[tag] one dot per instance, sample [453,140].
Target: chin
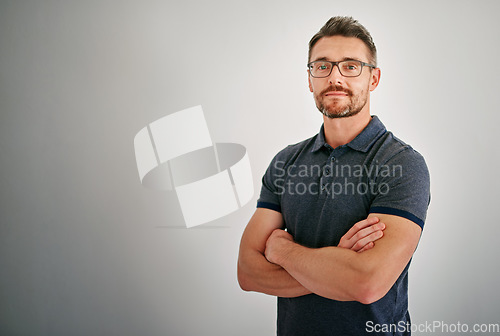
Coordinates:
[336,114]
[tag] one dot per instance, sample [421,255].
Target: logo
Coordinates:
[176,153]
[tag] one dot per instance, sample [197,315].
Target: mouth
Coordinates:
[335,94]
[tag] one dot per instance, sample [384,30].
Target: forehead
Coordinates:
[336,48]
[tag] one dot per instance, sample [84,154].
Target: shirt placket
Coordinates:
[328,174]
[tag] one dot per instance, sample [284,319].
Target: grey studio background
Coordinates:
[85,249]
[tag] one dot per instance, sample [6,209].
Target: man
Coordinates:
[352,199]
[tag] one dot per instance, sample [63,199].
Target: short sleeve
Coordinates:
[273,184]
[404,189]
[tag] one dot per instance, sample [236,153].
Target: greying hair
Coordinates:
[348,27]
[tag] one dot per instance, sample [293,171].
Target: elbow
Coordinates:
[244,285]
[244,281]
[370,290]
[369,296]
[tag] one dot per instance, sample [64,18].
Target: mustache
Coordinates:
[336,88]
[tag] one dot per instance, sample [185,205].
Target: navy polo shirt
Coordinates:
[322,192]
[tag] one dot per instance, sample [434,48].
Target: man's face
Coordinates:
[337,96]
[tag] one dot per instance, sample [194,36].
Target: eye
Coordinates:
[350,66]
[322,66]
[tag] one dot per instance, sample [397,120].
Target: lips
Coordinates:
[336,91]
[336,94]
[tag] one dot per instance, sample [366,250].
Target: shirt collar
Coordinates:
[362,142]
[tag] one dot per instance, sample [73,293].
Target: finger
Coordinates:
[367,247]
[367,231]
[282,234]
[276,233]
[361,225]
[349,243]
[370,238]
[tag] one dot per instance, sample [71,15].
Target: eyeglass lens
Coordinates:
[346,68]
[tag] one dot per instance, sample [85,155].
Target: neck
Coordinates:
[340,131]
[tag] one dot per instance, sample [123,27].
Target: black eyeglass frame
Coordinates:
[363,64]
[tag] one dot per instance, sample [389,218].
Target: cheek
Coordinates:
[316,87]
[361,88]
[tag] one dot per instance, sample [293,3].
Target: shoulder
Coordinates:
[389,149]
[290,153]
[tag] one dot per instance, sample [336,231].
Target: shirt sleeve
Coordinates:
[273,184]
[404,190]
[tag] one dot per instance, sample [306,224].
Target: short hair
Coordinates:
[348,27]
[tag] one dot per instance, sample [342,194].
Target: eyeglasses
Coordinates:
[349,68]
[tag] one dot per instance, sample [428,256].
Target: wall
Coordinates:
[85,249]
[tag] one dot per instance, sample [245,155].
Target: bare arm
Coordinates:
[343,274]
[256,273]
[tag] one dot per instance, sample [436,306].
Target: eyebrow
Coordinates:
[344,59]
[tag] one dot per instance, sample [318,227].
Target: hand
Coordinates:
[275,245]
[362,236]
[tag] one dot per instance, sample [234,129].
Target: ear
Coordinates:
[309,80]
[375,78]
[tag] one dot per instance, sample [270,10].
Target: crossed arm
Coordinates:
[271,262]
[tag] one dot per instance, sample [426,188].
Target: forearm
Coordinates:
[341,274]
[257,274]
[332,272]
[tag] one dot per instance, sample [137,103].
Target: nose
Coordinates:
[335,75]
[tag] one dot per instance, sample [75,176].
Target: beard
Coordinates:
[335,109]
